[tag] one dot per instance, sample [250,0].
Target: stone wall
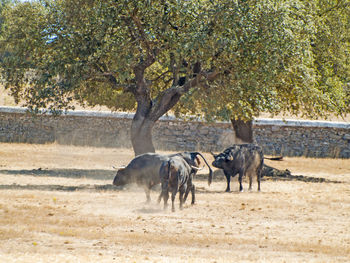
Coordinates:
[304,138]
[105,129]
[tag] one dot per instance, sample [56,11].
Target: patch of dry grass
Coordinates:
[289,221]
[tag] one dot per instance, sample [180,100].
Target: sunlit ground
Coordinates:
[57,205]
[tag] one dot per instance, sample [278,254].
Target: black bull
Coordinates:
[144,169]
[241,159]
[176,175]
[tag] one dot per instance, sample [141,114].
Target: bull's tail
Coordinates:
[168,174]
[210,177]
[169,169]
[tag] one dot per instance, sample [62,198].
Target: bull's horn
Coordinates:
[196,168]
[230,157]
[117,168]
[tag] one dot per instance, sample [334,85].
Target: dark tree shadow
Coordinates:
[108,175]
[64,188]
[98,174]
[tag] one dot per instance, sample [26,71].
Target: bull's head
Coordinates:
[122,177]
[221,159]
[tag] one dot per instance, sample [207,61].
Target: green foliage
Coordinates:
[3,5]
[272,66]
[331,49]
[266,55]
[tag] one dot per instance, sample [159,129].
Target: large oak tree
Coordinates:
[214,58]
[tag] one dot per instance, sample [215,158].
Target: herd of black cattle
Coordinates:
[175,172]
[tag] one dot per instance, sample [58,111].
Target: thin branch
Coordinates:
[160,76]
[151,52]
[108,77]
[141,30]
[173,68]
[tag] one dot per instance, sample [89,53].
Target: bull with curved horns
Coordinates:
[144,169]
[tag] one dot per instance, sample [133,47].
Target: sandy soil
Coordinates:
[57,204]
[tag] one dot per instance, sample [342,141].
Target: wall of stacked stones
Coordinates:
[105,129]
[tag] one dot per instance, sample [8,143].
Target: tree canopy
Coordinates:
[220,59]
[3,5]
[293,57]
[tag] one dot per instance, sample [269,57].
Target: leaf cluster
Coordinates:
[223,59]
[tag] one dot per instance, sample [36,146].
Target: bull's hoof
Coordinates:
[227,190]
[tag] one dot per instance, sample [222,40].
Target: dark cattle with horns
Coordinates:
[144,169]
[176,175]
[243,159]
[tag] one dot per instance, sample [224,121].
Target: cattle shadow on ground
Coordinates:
[219,176]
[302,178]
[64,188]
[98,174]
[203,190]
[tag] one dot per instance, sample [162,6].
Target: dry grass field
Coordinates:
[57,204]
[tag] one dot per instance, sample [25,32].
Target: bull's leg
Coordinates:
[228,179]
[188,189]
[258,177]
[186,193]
[165,195]
[173,195]
[193,190]
[250,181]
[148,196]
[181,197]
[164,186]
[183,190]
[160,197]
[240,181]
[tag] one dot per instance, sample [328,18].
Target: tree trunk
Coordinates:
[141,135]
[243,130]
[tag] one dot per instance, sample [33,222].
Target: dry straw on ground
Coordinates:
[52,209]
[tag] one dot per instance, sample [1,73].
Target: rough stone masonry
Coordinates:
[111,129]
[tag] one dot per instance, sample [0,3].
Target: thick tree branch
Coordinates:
[200,78]
[167,99]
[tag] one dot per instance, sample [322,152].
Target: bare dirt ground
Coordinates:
[57,204]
